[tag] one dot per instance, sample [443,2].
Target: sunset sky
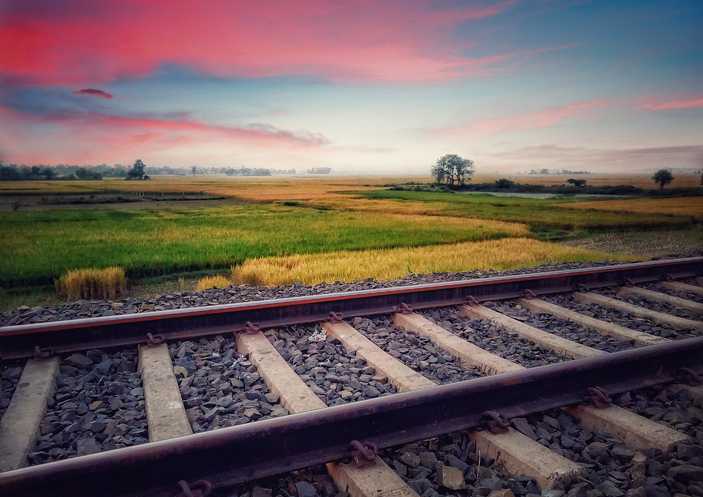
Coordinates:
[379,86]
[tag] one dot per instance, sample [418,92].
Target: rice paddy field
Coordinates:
[308,230]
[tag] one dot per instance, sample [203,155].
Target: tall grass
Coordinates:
[675,206]
[212,282]
[348,266]
[92,283]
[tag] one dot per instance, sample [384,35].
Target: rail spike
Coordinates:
[251,329]
[404,308]
[199,488]
[495,422]
[336,317]
[598,397]
[42,352]
[689,376]
[154,339]
[363,453]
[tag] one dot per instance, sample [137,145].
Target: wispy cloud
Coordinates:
[93,92]
[87,135]
[623,159]
[658,104]
[524,121]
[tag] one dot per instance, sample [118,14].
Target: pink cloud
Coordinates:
[683,103]
[366,40]
[86,136]
[93,92]
[526,121]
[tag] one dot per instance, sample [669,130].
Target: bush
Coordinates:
[92,283]
[212,282]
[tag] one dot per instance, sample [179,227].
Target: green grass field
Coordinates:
[39,245]
[540,214]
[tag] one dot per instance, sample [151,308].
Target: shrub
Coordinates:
[212,282]
[92,283]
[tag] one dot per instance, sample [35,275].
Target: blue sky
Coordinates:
[364,87]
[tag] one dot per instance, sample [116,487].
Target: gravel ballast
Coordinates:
[493,338]
[98,405]
[219,386]
[237,293]
[650,304]
[416,352]
[336,376]
[658,287]
[614,316]
[565,329]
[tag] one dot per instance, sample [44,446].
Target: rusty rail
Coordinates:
[111,331]
[241,453]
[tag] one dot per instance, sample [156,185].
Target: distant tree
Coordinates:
[138,171]
[195,170]
[504,183]
[663,177]
[578,183]
[452,170]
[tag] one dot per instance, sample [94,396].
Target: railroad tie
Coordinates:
[679,286]
[665,298]
[374,480]
[467,353]
[635,430]
[165,413]
[547,340]
[19,426]
[539,306]
[519,454]
[635,310]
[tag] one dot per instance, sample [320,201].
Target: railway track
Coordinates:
[503,384]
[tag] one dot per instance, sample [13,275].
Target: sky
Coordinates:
[367,86]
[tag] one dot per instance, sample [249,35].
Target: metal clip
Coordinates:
[471,300]
[199,488]
[404,308]
[152,339]
[335,317]
[42,352]
[629,282]
[529,294]
[669,277]
[250,328]
[598,397]
[582,287]
[689,376]
[494,422]
[363,453]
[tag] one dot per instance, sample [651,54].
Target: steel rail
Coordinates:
[242,453]
[20,341]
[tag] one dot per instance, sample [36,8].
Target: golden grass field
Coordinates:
[675,206]
[279,230]
[389,264]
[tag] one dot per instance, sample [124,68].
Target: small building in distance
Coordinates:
[320,170]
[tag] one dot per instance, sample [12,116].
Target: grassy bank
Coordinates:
[538,213]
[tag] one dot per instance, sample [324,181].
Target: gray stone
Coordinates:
[79,360]
[410,459]
[305,489]
[451,478]
[609,489]
[686,473]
